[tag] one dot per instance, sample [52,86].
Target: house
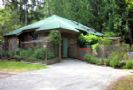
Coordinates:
[36,35]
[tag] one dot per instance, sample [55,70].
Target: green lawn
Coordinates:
[16,67]
[124,83]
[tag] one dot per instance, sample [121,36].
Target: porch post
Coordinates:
[46,52]
[60,52]
[60,49]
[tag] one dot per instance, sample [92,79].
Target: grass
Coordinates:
[124,83]
[16,67]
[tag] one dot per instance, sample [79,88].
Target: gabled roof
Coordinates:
[55,22]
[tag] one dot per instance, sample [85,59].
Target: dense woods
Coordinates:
[112,17]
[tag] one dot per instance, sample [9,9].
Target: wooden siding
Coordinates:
[25,40]
[13,43]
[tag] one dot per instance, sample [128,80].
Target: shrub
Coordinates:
[129,64]
[104,41]
[93,60]
[95,47]
[106,62]
[39,53]
[26,53]
[99,62]
[115,61]
[11,54]
[50,54]
[34,54]
[90,59]
[109,34]
[4,53]
[55,37]
[87,40]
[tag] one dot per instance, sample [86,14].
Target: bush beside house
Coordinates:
[114,62]
[116,58]
[32,55]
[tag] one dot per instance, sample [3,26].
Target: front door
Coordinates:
[65,47]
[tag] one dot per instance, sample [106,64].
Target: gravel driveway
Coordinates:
[67,75]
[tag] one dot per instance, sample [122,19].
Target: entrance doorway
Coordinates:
[65,47]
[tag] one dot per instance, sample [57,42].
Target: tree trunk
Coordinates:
[130,37]
[26,13]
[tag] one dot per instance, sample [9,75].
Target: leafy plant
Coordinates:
[39,53]
[88,39]
[109,34]
[106,61]
[95,47]
[129,64]
[115,62]
[4,53]
[90,59]
[50,54]
[34,54]
[100,61]
[104,41]
[93,60]
[26,53]
[55,37]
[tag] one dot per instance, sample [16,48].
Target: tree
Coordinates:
[8,21]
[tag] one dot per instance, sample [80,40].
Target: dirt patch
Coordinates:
[5,75]
[123,83]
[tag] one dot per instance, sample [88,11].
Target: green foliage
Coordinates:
[115,60]
[115,63]
[129,3]
[26,53]
[95,47]
[55,37]
[106,61]
[14,66]
[93,40]
[8,21]
[109,34]
[104,41]
[88,39]
[39,53]
[90,59]
[8,54]
[93,60]
[51,55]
[3,53]
[100,61]
[129,64]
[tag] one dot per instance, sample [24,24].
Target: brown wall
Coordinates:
[13,43]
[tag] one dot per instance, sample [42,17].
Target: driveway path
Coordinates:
[67,75]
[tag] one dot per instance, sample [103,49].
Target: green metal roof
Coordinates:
[55,22]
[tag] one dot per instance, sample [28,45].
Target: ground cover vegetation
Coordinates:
[17,67]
